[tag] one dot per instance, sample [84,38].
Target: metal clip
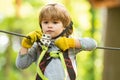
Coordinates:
[46,39]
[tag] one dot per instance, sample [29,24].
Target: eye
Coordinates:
[55,22]
[45,22]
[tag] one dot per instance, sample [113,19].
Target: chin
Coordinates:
[51,35]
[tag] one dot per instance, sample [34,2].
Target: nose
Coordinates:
[50,25]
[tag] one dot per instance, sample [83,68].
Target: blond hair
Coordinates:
[55,11]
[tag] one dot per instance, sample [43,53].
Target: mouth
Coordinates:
[49,31]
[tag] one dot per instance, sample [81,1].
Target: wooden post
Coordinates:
[111,69]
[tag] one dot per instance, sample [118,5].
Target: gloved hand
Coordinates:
[65,43]
[34,36]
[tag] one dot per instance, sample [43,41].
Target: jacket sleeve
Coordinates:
[88,44]
[24,61]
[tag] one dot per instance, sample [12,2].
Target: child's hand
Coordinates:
[65,43]
[34,36]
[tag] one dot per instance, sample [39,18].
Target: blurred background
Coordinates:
[98,19]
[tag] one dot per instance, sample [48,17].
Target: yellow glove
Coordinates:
[65,43]
[34,36]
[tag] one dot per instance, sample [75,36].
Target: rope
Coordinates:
[21,35]
[16,34]
[108,48]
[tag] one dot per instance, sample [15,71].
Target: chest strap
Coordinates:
[58,54]
[65,60]
[39,72]
[69,65]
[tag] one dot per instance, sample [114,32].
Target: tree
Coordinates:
[111,58]
[111,64]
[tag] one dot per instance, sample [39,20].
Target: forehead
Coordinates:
[50,19]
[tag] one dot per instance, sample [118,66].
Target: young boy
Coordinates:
[52,48]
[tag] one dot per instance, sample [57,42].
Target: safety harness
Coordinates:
[45,58]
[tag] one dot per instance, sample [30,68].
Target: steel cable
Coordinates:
[21,35]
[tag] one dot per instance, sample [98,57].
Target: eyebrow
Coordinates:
[55,19]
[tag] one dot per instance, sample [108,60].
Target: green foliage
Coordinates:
[34,3]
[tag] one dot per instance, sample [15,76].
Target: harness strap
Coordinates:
[65,60]
[58,54]
[39,60]
[54,54]
[70,68]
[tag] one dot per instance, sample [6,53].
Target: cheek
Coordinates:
[43,29]
[60,30]
[60,27]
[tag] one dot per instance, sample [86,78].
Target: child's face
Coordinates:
[52,27]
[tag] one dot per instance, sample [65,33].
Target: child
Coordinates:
[52,48]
